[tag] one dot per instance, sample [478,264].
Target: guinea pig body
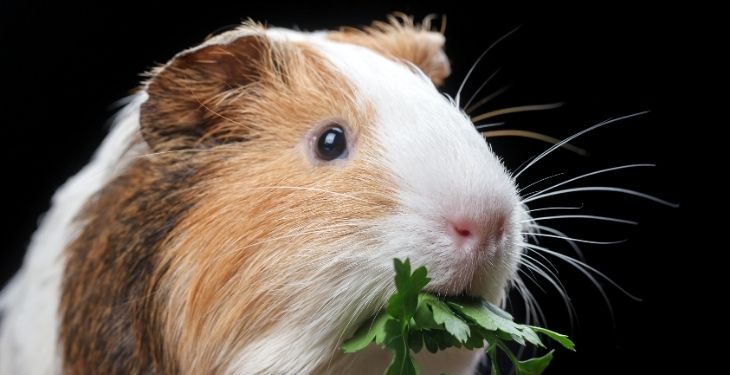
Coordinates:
[243,214]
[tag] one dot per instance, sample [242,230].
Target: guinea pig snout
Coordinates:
[477,232]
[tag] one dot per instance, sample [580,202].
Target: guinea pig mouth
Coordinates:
[450,294]
[452,289]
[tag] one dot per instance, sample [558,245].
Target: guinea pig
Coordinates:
[243,214]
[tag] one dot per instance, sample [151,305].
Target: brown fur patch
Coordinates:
[195,250]
[108,324]
[400,38]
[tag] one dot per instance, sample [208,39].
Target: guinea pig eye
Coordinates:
[331,143]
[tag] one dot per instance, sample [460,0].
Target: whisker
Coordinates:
[488,125]
[592,217]
[570,242]
[584,268]
[530,275]
[326,230]
[478,60]
[520,190]
[487,99]
[531,305]
[474,95]
[574,136]
[592,174]
[183,151]
[310,189]
[532,135]
[533,312]
[551,269]
[602,188]
[578,239]
[554,208]
[555,283]
[516,109]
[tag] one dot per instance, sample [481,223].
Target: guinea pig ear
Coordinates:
[400,38]
[188,95]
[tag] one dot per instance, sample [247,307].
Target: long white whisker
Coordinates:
[474,95]
[571,243]
[530,274]
[487,99]
[591,174]
[478,60]
[584,268]
[554,208]
[532,308]
[520,190]
[555,282]
[592,217]
[317,190]
[602,188]
[488,125]
[540,316]
[517,109]
[572,137]
[533,312]
[552,269]
[578,239]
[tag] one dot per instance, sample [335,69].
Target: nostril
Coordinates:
[467,232]
[462,231]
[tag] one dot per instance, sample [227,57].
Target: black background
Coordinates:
[65,66]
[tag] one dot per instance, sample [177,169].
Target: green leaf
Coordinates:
[530,336]
[492,354]
[496,310]
[431,342]
[367,333]
[479,312]
[423,318]
[404,302]
[559,337]
[476,339]
[442,314]
[413,320]
[415,341]
[402,363]
[445,340]
[533,366]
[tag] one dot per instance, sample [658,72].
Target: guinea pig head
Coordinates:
[314,159]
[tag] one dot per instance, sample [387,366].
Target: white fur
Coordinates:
[29,303]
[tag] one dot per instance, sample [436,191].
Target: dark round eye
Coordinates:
[332,143]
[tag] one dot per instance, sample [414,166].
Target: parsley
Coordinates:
[413,320]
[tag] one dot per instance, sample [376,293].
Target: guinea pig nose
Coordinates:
[463,231]
[475,233]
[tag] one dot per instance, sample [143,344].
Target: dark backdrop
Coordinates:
[64,66]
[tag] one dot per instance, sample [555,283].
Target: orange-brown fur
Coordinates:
[402,39]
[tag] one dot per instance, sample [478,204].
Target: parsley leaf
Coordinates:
[413,320]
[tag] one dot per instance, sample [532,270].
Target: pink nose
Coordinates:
[470,233]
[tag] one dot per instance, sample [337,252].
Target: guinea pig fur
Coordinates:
[243,214]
